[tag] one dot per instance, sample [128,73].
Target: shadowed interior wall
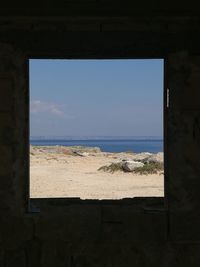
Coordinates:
[139,232]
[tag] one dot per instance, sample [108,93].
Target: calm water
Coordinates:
[152,146]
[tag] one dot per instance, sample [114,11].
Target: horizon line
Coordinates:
[43,137]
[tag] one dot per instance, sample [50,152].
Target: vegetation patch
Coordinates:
[150,168]
[113,167]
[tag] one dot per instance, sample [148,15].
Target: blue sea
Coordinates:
[116,145]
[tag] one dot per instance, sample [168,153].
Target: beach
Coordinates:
[74,172]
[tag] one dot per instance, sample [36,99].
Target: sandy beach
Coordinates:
[57,172]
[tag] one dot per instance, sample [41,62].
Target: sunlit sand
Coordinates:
[59,174]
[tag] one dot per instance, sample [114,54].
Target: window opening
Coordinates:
[96,129]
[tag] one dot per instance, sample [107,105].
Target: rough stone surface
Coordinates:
[156,158]
[141,157]
[131,165]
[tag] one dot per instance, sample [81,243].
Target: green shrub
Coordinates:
[150,168]
[113,167]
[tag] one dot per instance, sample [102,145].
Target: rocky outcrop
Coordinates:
[155,158]
[131,165]
[142,157]
[81,154]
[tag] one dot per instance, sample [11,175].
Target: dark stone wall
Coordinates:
[141,232]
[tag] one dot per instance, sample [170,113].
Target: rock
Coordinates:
[142,157]
[159,157]
[82,154]
[131,165]
[87,149]
[125,158]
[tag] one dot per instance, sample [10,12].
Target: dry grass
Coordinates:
[150,168]
[113,167]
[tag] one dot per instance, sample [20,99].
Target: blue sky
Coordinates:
[96,98]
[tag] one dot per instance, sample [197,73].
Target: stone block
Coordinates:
[6,169]
[15,258]
[6,95]
[183,163]
[71,224]
[136,26]
[16,231]
[181,255]
[105,254]
[1,254]
[33,250]
[55,253]
[128,224]
[6,129]
[183,81]
[184,226]
[146,227]
[84,26]
[52,227]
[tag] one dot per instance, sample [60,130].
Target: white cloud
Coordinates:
[37,107]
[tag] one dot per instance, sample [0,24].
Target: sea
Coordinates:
[136,145]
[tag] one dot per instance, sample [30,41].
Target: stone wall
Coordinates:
[141,232]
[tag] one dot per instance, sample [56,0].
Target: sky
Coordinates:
[96,98]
